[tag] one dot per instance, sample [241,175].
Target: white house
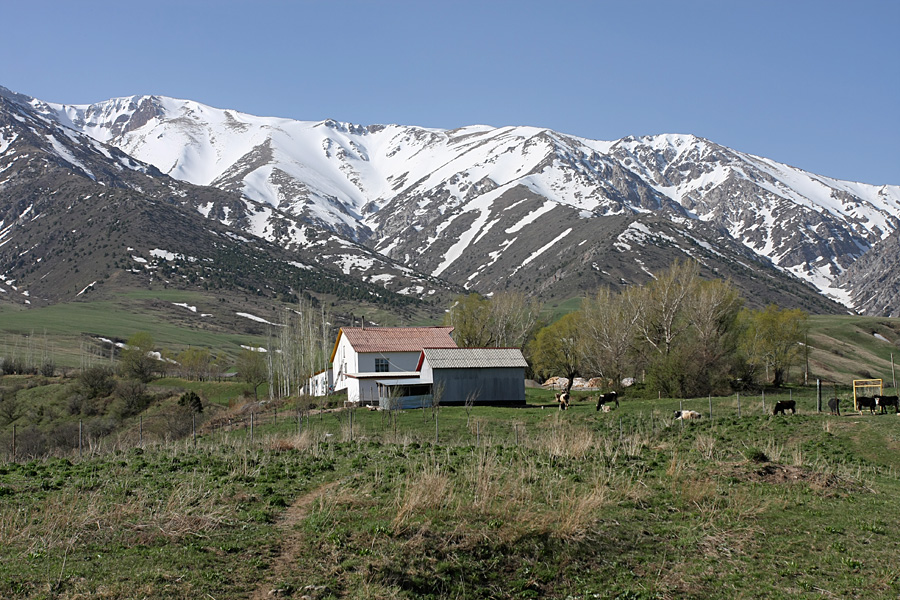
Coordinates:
[321,383]
[362,356]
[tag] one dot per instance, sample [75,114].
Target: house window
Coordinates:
[382,365]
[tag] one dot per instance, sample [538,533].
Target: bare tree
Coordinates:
[609,326]
[506,320]
[513,319]
[470,404]
[300,348]
[394,406]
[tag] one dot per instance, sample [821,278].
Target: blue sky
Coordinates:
[815,84]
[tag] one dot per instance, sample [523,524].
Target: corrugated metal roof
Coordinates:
[396,339]
[474,358]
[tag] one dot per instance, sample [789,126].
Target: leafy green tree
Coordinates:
[772,339]
[469,317]
[136,361]
[555,349]
[252,369]
[506,320]
[195,363]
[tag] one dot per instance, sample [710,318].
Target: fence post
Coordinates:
[680,410]
[710,407]
[764,400]
[251,427]
[80,436]
[739,404]
[14,443]
[818,395]
[141,430]
[194,428]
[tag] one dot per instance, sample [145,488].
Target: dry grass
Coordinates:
[705,444]
[427,490]
[565,441]
[578,510]
[64,518]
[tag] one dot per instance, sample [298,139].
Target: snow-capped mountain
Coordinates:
[491,208]
[76,213]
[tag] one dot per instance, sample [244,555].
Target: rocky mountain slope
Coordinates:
[78,216]
[523,208]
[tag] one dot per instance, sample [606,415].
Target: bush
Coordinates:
[191,400]
[16,366]
[97,382]
[132,396]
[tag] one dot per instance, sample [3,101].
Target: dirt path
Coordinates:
[291,541]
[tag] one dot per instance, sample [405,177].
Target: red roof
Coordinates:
[395,339]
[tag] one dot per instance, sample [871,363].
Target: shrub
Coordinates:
[97,382]
[132,396]
[191,400]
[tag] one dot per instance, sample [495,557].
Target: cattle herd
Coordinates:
[781,406]
[603,400]
[879,402]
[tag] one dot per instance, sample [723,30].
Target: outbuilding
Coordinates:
[484,376]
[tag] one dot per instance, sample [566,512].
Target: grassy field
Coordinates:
[64,333]
[488,503]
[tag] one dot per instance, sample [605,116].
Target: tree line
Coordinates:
[679,334]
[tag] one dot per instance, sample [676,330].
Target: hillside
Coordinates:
[82,221]
[509,503]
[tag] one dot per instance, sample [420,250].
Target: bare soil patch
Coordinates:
[291,541]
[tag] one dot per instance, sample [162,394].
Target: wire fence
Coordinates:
[423,425]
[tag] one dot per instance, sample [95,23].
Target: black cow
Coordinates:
[885,401]
[783,405]
[607,398]
[834,404]
[865,402]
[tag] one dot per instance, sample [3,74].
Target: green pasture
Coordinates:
[58,332]
[528,502]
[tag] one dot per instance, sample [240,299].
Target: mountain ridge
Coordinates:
[432,198]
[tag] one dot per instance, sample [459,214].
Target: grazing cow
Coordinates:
[603,399]
[685,415]
[834,404]
[784,405]
[885,401]
[563,399]
[865,402]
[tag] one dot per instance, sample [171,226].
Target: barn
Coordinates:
[487,376]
